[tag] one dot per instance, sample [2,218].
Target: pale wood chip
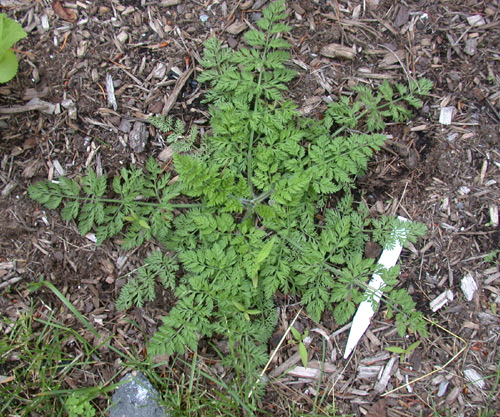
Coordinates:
[441,300]
[335,50]
[168,3]
[369,372]
[301,372]
[389,370]
[392,58]
[166,154]
[236,27]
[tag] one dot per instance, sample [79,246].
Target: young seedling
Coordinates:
[400,351]
[302,347]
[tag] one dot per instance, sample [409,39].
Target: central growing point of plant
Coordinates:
[272,208]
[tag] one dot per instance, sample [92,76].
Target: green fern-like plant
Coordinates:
[180,140]
[252,227]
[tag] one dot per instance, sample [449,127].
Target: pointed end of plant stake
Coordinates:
[365,312]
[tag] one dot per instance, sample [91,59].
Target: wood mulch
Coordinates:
[91,72]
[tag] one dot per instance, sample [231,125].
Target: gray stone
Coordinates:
[136,397]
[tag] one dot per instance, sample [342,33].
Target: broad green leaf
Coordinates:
[395,349]
[10,33]
[8,66]
[239,306]
[296,333]
[303,354]
[143,224]
[255,281]
[265,251]
[413,346]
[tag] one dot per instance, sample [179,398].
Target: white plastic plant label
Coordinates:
[365,312]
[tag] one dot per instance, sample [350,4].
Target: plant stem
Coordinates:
[138,202]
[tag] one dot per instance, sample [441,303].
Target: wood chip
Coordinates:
[168,3]
[326,367]
[446,115]
[378,409]
[138,137]
[166,154]
[443,386]
[368,372]
[469,286]
[389,370]
[33,104]
[441,300]
[475,377]
[176,91]
[392,58]
[285,366]
[110,92]
[471,46]
[236,27]
[335,50]
[476,20]
[301,372]
[494,215]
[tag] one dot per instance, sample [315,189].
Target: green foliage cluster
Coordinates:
[10,33]
[263,218]
[77,405]
[176,132]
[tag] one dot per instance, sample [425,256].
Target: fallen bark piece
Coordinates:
[471,46]
[179,85]
[64,12]
[378,409]
[335,50]
[285,366]
[391,58]
[166,154]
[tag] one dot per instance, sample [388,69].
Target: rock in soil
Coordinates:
[136,397]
